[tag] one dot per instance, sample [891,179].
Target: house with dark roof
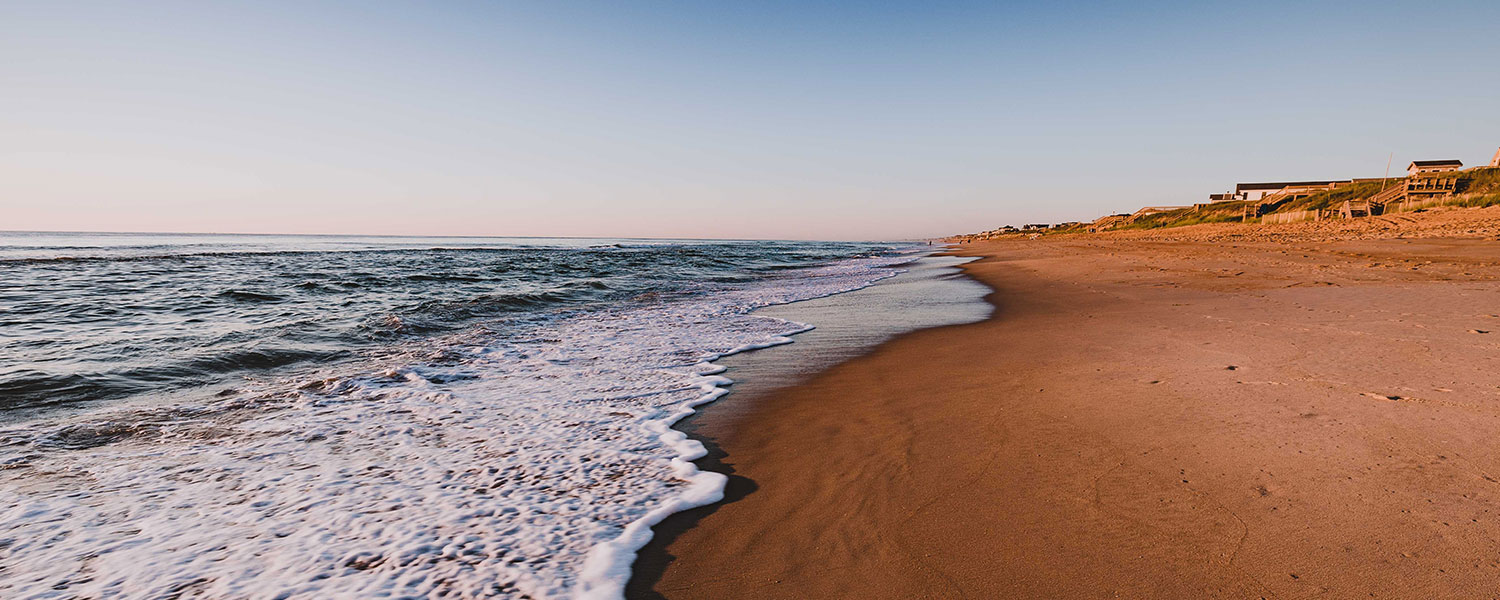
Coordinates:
[1420,167]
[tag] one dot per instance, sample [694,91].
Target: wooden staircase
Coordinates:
[1395,193]
[1266,205]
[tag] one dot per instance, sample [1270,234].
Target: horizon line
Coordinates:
[452,236]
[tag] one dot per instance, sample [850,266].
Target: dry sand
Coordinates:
[1199,414]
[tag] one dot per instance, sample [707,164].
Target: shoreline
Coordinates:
[834,334]
[1141,417]
[609,566]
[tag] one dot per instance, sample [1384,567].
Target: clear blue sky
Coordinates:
[711,119]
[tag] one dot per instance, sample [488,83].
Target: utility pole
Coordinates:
[1385,181]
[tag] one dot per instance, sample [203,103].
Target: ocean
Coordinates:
[227,416]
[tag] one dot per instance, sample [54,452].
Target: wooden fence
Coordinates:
[1295,216]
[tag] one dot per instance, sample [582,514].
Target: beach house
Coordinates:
[1495,162]
[1429,178]
[1422,167]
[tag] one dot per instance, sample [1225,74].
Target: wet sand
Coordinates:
[1140,418]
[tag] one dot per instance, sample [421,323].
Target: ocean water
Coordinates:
[340,417]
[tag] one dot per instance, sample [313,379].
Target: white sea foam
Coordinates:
[519,466]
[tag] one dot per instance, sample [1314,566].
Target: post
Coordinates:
[1385,181]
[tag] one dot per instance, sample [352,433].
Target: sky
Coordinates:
[709,119]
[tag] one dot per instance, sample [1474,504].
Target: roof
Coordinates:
[1437,163]
[1277,185]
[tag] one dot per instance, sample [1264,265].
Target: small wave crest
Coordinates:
[246,296]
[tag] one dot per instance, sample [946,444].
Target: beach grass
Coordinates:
[1224,212]
[1480,188]
[1336,197]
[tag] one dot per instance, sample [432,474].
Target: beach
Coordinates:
[1210,412]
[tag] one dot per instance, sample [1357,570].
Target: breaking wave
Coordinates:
[498,429]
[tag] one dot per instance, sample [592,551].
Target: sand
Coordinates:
[1205,415]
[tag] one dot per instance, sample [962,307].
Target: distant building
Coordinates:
[1495,162]
[1420,167]
[1258,191]
[1036,226]
[1224,197]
